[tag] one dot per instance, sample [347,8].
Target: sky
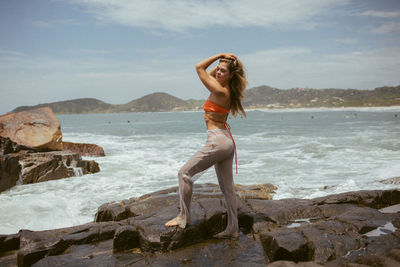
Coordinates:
[120,50]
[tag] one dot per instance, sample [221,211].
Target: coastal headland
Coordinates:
[256,97]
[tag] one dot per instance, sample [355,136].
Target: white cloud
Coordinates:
[82,51]
[347,41]
[28,80]
[53,23]
[302,67]
[10,52]
[380,14]
[181,15]
[387,28]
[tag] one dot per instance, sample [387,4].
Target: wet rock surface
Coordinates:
[9,172]
[28,168]
[82,149]
[348,229]
[45,166]
[22,165]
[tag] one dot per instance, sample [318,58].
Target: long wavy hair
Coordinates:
[237,85]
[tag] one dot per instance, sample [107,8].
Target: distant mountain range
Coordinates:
[257,97]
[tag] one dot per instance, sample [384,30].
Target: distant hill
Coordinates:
[75,106]
[257,97]
[265,96]
[153,102]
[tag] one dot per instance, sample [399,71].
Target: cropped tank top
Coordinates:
[213,107]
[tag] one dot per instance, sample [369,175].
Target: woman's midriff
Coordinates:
[215,120]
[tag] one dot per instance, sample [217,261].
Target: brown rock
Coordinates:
[89,166]
[293,264]
[84,149]
[9,171]
[286,244]
[45,166]
[395,180]
[38,129]
[259,191]
[7,146]
[126,237]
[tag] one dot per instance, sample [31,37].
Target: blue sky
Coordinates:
[116,51]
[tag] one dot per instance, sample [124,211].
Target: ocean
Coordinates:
[306,153]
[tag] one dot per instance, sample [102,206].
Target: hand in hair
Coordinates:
[229,56]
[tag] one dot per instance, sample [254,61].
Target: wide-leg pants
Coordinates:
[218,151]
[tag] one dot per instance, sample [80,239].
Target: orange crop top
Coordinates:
[212,107]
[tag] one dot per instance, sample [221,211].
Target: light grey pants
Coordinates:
[218,151]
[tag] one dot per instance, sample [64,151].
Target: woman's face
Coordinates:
[222,75]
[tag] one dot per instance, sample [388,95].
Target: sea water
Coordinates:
[306,153]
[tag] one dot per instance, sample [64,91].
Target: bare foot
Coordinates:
[177,221]
[227,235]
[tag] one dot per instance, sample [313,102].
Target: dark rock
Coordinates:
[331,239]
[84,149]
[9,171]
[364,219]
[293,264]
[45,166]
[334,231]
[126,237]
[284,211]
[33,246]
[28,168]
[286,244]
[9,242]
[7,146]
[375,199]
[245,252]
[38,129]
[89,166]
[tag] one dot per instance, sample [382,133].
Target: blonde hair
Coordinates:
[237,85]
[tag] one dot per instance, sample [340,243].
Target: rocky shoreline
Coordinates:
[349,229]
[32,150]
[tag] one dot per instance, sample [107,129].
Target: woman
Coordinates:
[226,84]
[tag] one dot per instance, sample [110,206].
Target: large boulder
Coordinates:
[83,149]
[37,128]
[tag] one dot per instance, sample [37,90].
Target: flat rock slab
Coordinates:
[244,252]
[334,231]
[391,209]
[91,150]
